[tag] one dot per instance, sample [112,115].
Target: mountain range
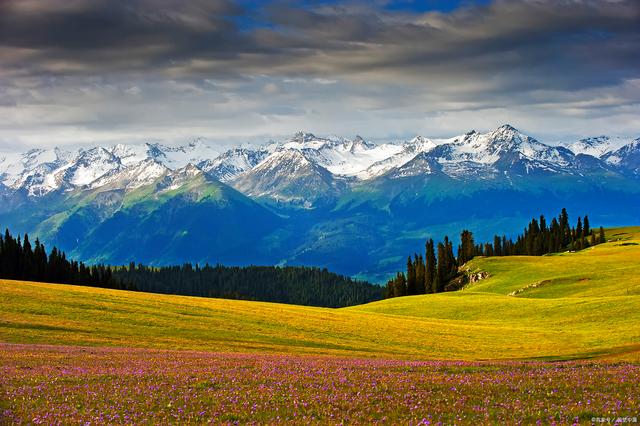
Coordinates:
[347,204]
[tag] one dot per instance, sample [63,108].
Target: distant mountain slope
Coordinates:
[626,158]
[597,146]
[288,176]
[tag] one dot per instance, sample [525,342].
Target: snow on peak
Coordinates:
[291,160]
[302,137]
[126,166]
[421,144]
[90,165]
[178,178]
[233,163]
[628,155]
[302,140]
[597,146]
[135,175]
[175,157]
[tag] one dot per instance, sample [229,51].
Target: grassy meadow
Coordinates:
[542,340]
[565,306]
[74,385]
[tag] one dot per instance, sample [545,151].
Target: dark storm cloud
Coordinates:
[119,34]
[555,43]
[100,64]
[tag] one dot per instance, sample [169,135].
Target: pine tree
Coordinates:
[467,247]
[586,227]
[497,246]
[400,285]
[579,234]
[430,268]
[441,274]
[451,263]
[565,230]
[602,236]
[411,277]
[420,274]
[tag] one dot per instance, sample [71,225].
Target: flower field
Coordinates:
[72,385]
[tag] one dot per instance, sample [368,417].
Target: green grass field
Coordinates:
[565,306]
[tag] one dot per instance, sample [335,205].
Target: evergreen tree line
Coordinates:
[291,284]
[438,270]
[19,260]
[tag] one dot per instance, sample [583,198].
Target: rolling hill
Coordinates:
[566,306]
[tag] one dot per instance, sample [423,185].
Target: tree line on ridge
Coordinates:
[438,270]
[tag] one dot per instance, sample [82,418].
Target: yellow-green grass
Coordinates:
[611,269]
[590,307]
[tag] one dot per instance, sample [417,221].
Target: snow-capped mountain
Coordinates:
[504,149]
[626,158]
[308,164]
[420,165]
[289,176]
[401,154]
[40,172]
[330,201]
[233,163]
[340,156]
[34,170]
[597,146]
[132,176]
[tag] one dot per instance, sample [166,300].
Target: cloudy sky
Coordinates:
[87,71]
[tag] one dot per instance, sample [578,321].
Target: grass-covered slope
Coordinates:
[611,269]
[586,310]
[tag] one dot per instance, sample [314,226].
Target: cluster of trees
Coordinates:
[425,275]
[292,284]
[20,260]
[434,274]
[537,239]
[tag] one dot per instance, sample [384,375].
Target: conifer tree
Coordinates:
[430,268]
[441,275]
[497,246]
[400,285]
[411,277]
[565,230]
[586,226]
[579,234]
[420,274]
[467,247]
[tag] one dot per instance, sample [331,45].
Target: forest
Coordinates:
[297,285]
[20,260]
[438,270]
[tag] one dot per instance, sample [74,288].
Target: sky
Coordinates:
[96,71]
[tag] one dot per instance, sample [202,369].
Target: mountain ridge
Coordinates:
[346,204]
[40,171]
